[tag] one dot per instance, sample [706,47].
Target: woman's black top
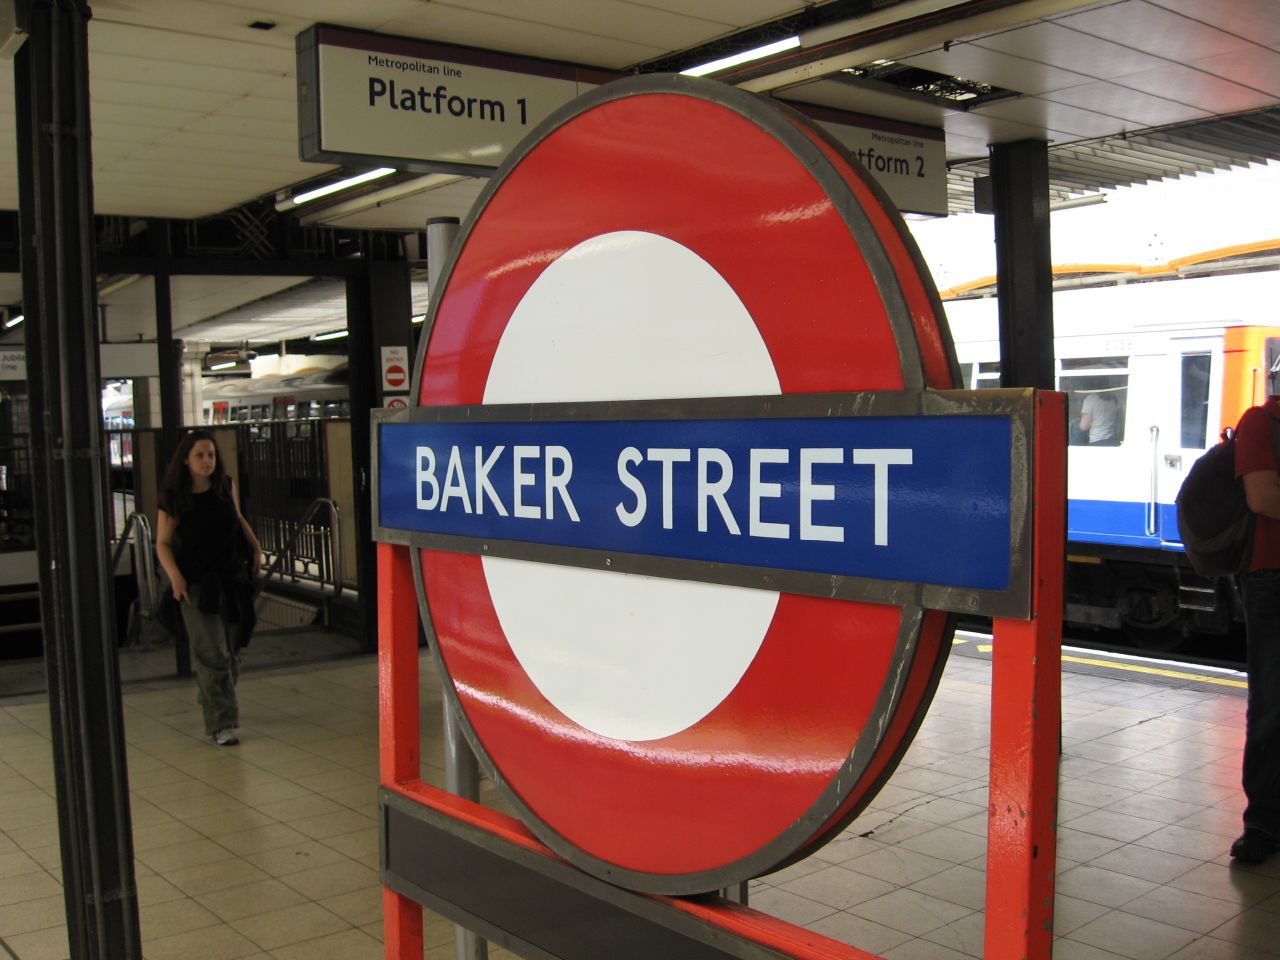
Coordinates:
[210,540]
[213,554]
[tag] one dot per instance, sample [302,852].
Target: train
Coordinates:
[1171,362]
[306,394]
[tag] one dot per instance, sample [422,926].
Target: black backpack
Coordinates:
[1214,519]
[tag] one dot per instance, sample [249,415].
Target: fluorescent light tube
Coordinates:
[224,365]
[342,185]
[14,321]
[745,57]
[331,335]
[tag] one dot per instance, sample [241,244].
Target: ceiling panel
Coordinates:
[1257,68]
[118,66]
[973,62]
[614,19]
[1037,113]
[456,25]
[162,96]
[140,116]
[131,308]
[1071,50]
[990,129]
[453,200]
[1255,19]
[848,96]
[1140,109]
[369,16]
[1197,88]
[739,13]
[213,21]
[272,134]
[1144,26]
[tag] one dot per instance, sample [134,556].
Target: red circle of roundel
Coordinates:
[831,699]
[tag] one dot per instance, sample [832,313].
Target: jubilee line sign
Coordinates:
[691,492]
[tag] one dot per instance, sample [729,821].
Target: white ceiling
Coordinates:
[194,112]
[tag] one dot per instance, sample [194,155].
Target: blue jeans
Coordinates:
[1261,775]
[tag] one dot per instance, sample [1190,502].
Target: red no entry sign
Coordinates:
[396,376]
[664,239]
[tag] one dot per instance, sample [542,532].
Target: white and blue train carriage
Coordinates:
[1169,362]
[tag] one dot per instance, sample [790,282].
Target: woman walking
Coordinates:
[210,554]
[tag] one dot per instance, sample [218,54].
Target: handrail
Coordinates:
[144,565]
[335,545]
[1153,499]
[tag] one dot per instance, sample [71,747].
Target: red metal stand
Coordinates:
[1026,715]
[399,750]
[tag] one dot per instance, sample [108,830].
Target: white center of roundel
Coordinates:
[628,316]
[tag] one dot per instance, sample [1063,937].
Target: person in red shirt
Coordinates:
[1258,467]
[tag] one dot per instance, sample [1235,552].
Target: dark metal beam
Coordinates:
[379,308]
[169,360]
[232,267]
[56,228]
[1024,266]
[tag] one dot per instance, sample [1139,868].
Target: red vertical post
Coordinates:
[398,706]
[1026,717]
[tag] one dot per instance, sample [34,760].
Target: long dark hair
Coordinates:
[175,488]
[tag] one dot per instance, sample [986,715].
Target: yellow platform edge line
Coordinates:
[1175,674]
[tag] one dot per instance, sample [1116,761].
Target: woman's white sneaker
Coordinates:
[226,737]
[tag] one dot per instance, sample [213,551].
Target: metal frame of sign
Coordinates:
[499,880]
[1014,404]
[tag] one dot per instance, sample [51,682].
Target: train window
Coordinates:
[1097,391]
[1195,400]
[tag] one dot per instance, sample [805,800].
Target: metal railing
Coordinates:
[17,499]
[278,561]
[144,566]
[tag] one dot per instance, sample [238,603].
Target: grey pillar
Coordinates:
[56,230]
[461,772]
[1024,268]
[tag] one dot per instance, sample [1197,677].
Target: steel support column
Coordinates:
[169,360]
[56,230]
[1024,268]
[379,312]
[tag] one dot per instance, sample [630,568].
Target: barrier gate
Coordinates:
[687,504]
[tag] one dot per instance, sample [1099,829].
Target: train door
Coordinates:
[1185,425]
[1107,382]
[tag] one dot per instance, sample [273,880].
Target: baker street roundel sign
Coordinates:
[621,403]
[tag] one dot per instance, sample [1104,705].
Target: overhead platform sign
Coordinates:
[372,99]
[416,105]
[690,490]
